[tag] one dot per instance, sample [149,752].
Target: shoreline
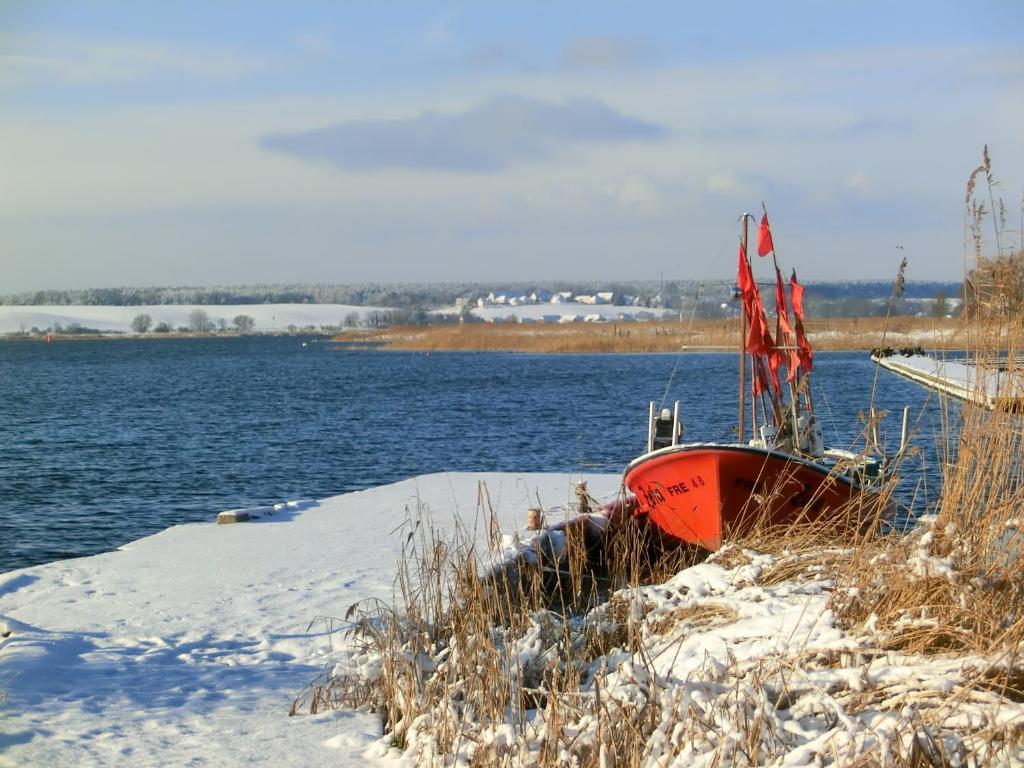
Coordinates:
[122,336]
[647,337]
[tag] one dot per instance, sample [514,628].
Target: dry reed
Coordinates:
[839,334]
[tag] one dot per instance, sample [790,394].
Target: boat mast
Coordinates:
[740,432]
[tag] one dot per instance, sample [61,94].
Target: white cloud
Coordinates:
[636,192]
[722,181]
[74,60]
[858,183]
[315,44]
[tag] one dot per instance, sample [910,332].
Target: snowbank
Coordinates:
[188,647]
[268,317]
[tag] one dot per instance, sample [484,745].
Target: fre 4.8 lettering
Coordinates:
[682,487]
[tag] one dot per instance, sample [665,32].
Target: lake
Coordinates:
[107,441]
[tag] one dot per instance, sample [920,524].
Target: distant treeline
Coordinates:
[672,293]
[397,295]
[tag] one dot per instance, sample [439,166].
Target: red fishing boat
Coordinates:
[700,493]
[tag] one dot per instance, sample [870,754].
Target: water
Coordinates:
[107,441]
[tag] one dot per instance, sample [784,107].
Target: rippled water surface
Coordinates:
[106,441]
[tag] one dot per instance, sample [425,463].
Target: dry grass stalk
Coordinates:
[511,671]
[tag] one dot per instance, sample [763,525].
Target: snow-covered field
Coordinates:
[278,317]
[268,317]
[187,647]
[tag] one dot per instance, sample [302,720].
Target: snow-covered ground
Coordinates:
[187,647]
[267,317]
[555,313]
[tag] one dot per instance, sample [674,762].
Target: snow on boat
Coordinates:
[700,493]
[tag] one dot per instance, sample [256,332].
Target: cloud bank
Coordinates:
[499,133]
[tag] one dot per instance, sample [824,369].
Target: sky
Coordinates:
[194,143]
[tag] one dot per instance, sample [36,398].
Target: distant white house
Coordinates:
[602,297]
[562,297]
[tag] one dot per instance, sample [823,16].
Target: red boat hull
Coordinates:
[698,493]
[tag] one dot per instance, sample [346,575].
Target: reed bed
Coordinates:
[803,648]
[839,334]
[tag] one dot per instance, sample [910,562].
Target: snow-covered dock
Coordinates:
[988,383]
[187,647]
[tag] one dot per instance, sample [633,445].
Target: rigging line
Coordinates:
[693,313]
[679,354]
[828,407]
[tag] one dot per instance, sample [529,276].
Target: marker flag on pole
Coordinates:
[796,298]
[764,237]
[784,331]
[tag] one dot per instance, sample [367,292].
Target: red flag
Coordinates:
[783,330]
[748,290]
[764,237]
[759,338]
[744,278]
[760,380]
[796,296]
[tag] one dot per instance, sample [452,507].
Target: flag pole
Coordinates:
[740,431]
[793,398]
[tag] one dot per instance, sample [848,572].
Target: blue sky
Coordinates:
[230,142]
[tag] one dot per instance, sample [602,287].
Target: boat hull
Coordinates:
[700,493]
